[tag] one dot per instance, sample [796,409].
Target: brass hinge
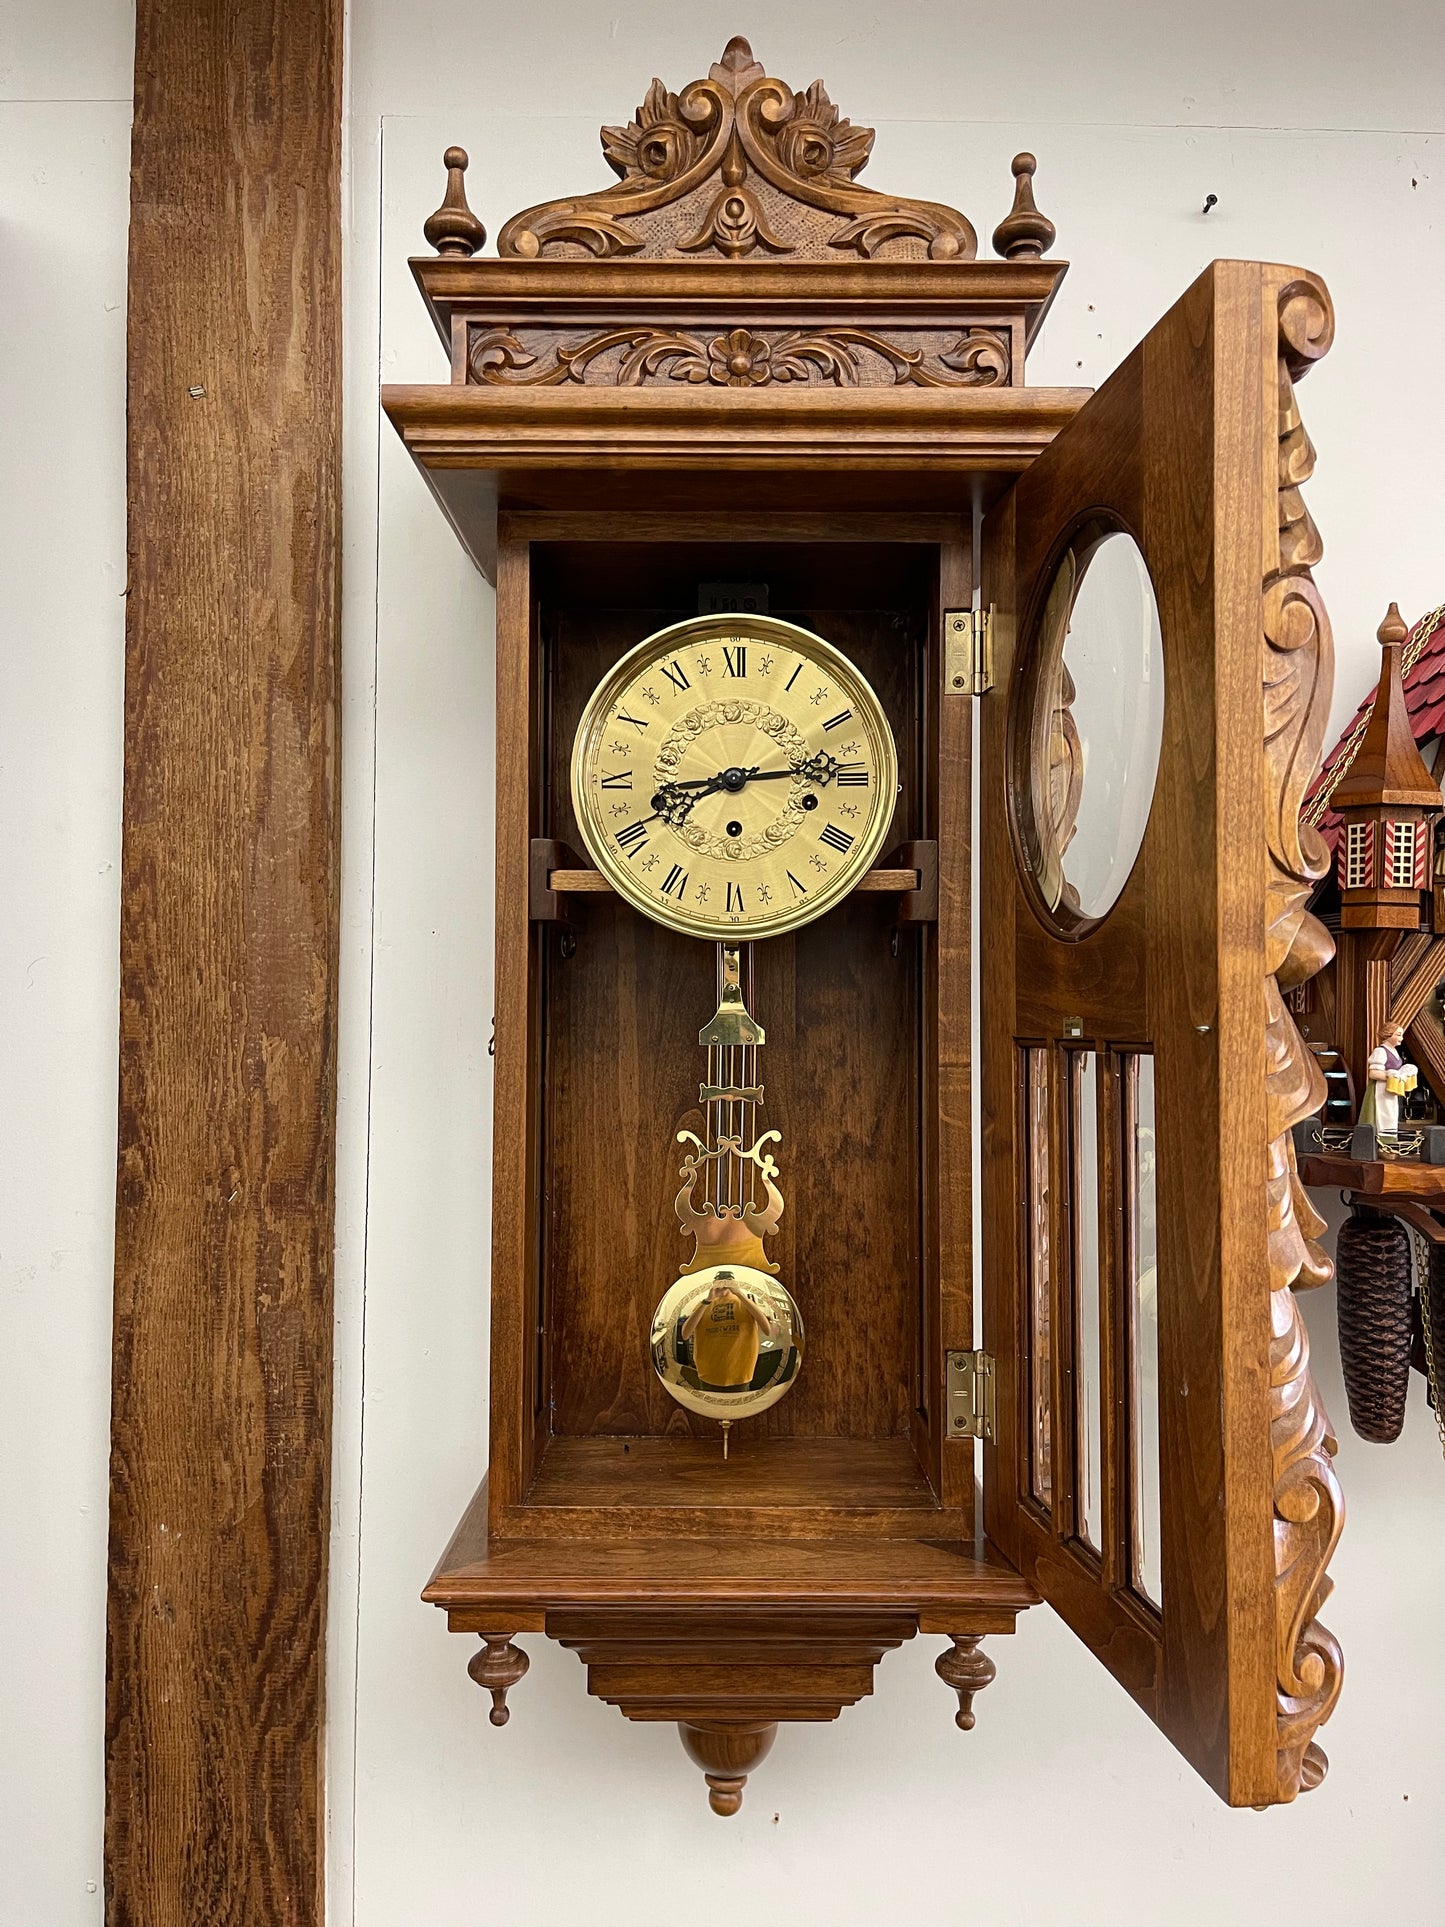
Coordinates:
[971,1406]
[967,652]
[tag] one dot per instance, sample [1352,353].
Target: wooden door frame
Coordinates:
[222,1372]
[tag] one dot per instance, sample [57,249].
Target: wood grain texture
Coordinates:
[489,1585]
[770,1487]
[518,1071]
[1186,448]
[711,431]
[948,1231]
[1379,1179]
[221,1395]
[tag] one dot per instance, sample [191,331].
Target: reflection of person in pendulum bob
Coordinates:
[727,1330]
[1389,1078]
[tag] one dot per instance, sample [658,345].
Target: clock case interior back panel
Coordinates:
[843,1001]
[740,366]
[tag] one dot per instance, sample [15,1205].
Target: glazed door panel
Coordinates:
[1162,1467]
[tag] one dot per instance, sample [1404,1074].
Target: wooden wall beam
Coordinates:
[220,1431]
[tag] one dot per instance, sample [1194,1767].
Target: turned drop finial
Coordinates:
[1024,233]
[496,1669]
[454,229]
[727,1751]
[967,1670]
[1394,629]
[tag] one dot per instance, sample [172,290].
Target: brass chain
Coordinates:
[1431,1370]
[1422,1274]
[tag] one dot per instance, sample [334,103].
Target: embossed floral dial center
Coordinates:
[734,777]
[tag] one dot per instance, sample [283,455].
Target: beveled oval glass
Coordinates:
[1089,728]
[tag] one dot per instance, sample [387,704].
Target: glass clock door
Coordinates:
[1162,1465]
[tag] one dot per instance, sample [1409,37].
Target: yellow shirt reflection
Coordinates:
[726,1341]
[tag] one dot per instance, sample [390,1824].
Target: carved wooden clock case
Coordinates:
[735,375]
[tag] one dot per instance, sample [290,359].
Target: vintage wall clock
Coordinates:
[739,407]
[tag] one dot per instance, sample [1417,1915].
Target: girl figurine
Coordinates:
[1388,1077]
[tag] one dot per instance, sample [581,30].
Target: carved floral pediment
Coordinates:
[737,164]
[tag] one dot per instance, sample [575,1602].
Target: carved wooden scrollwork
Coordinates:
[739,358]
[735,164]
[1298,669]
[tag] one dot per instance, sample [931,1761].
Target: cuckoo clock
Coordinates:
[1379,1141]
[1388,804]
[782,542]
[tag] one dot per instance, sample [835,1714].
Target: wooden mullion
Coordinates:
[1113,1305]
[1128,1315]
[1063,1289]
[222,1368]
[517,1070]
[949,1123]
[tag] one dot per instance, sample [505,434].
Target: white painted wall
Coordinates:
[65,85]
[1064,1808]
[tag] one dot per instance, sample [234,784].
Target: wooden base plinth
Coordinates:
[726,1637]
[727,1751]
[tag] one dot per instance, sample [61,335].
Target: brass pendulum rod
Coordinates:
[731,1041]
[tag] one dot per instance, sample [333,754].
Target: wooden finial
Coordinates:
[727,1751]
[737,68]
[496,1669]
[1024,233]
[454,229]
[1388,768]
[1394,629]
[967,1670]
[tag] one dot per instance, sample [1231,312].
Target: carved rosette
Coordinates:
[739,357]
[1298,673]
[736,164]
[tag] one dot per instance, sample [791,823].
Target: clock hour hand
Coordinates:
[673,801]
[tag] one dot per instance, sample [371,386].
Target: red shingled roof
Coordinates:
[1422,663]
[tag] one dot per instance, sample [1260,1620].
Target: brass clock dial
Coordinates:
[734,776]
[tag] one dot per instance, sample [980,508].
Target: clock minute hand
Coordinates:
[673,800]
[819,769]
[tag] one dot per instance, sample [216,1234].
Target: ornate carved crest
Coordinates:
[734,165]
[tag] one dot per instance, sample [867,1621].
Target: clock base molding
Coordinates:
[729,1637]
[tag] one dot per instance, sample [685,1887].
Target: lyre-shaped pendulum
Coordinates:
[727,1337]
